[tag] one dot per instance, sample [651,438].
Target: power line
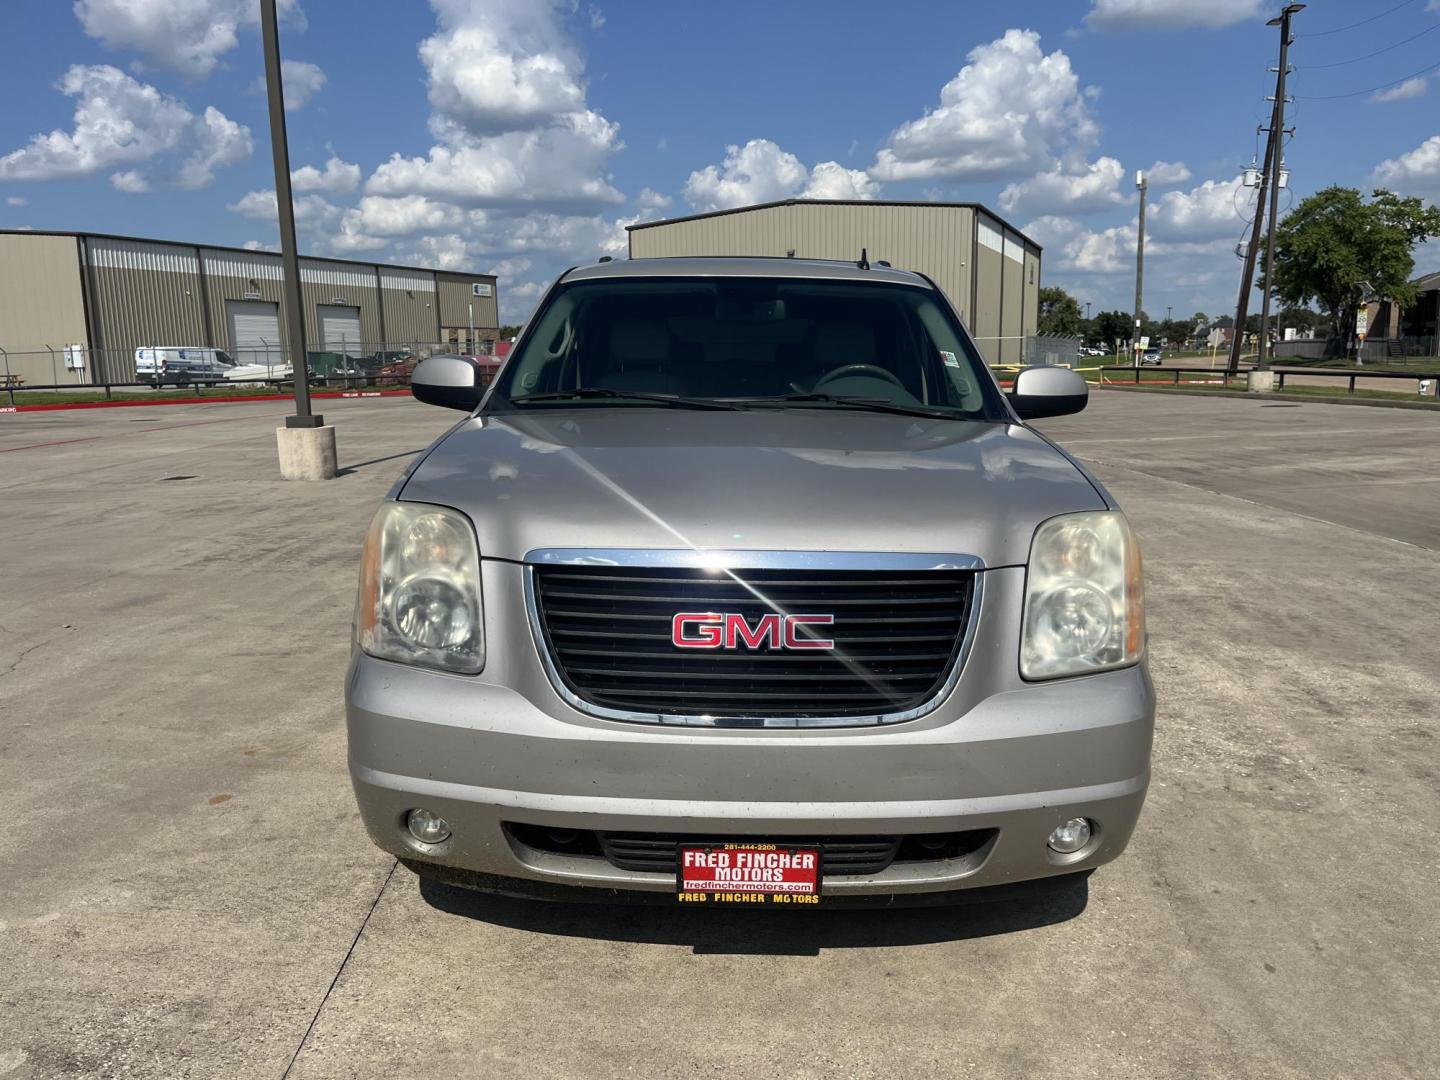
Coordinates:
[1362,22]
[1367,56]
[1373,89]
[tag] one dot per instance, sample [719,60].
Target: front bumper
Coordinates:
[998,754]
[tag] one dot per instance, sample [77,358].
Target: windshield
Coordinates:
[757,341]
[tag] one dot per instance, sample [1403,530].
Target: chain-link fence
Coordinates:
[67,366]
[1042,349]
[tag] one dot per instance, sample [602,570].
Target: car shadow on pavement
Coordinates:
[346,470]
[767,931]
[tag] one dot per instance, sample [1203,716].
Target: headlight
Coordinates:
[1084,605]
[420,589]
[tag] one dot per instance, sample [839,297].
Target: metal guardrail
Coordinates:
[1350,374]
[1215,373]
[1416,376]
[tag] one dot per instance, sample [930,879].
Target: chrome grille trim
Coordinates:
[750,560]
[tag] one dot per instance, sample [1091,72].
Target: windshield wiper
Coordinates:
[582,393]
[867,404]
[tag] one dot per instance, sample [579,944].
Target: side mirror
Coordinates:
[452,382]
[1048,391]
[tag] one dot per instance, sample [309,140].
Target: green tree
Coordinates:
[1060,314]
[1337,250]
[1112,326]
[508,331]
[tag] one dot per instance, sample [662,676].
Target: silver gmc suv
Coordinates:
[745,583]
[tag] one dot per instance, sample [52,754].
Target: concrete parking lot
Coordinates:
[186,891]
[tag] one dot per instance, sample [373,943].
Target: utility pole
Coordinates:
[1272,174]
[1272,153]
[1139,269]
[307,446]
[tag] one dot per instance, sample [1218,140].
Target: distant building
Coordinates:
[988,269]
[74,307]
[1415,330]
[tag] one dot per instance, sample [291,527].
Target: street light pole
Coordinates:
[280,149]
[1139,269]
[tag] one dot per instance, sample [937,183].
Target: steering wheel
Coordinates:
[859,369]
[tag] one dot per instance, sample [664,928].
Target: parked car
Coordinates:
[181,366]
[1151,358]
[745,583]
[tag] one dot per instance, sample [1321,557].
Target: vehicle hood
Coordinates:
[793,479]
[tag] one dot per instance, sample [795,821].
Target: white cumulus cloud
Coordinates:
[1010,111]
[16,200]
[188,36]
[130,181]
[1101,185]
[337,178]
[760,171]
[560,165]
[1416,172]
[649,200]
[1410,88]
[1166,173]
[831,180]
[302,81]
[1216,209]
[500,65]
[120,121]
[1172,14]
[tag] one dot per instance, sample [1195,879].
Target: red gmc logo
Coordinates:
[714,630]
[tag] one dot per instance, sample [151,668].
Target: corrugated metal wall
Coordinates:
[933,240]
[40,304]
[989,271]
[1012,291]
[232,275]
[144,294]
[327,283]
[1030,314]
[410,306]
[456,292]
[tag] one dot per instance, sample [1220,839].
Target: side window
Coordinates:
[953,356]
[548,347]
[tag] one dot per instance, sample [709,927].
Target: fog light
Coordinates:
[431,828]
[1068,838]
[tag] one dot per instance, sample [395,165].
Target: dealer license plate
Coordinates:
[749,873]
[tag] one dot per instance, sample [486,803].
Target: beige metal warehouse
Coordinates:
[990,270]
[74,307]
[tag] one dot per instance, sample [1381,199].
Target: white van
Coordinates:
[161,364]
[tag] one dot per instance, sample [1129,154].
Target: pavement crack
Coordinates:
[23,654]
[340,970]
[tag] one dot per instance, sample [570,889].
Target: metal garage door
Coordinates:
[339,329]
[255,332]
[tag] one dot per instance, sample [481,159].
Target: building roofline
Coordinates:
[979,207]
[80,234]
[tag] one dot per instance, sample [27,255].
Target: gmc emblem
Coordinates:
[714,630]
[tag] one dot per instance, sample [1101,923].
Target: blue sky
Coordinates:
[520,136]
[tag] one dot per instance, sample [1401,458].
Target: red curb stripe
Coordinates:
[199,400]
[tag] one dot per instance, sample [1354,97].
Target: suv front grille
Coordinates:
[897,633]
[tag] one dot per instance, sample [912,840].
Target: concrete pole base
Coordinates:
[307,453]
[1260,382]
